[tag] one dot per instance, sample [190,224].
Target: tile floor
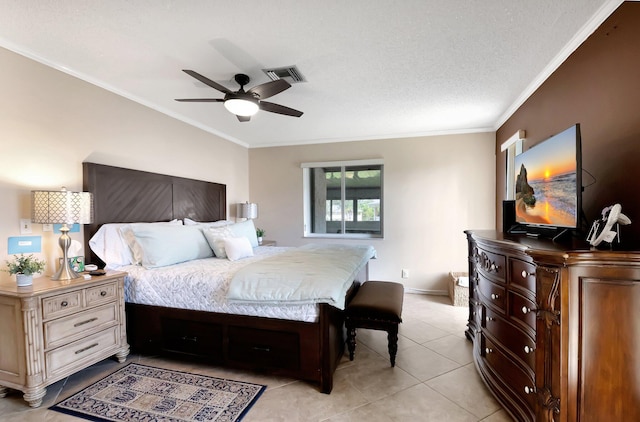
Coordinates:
[434,378]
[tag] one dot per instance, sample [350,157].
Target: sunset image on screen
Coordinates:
[546,186]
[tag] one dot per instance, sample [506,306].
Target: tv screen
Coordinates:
[548,186]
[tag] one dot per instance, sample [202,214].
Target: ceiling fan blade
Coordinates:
[270,89]
[243,118]
[280,109]
[207,81]
[200,100]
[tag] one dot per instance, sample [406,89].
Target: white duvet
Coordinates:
[308,274]
[203,285]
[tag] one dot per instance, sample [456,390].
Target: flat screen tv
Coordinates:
[548,186]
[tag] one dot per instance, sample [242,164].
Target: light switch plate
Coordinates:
[25,226]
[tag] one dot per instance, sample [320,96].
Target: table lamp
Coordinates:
[62,207]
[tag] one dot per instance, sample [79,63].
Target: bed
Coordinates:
[307,347]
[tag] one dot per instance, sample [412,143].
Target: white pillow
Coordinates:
[157,246]
[109,245]
[215,237]
[245,229]
[219,223]
[237,248]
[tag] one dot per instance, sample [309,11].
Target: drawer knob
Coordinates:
[525,310]
[529,390]
[488,350]
[64,303]
[494,296]
[525,274]
[489,319]
[528,349]
[103,293]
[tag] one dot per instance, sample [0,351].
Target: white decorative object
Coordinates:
[24,280]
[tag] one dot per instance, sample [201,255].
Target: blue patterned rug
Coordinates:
[144,393]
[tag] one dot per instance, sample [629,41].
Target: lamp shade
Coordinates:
[241,106]
[61,207]
[247,210]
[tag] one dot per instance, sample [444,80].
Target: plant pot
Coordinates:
[260,240]
[24,280]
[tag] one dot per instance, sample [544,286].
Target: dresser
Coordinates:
[555,327]
[53,329]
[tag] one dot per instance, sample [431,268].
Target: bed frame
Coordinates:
[302,350]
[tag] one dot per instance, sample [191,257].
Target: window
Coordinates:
[343,199]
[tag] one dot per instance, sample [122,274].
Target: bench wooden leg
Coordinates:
[351,341]
[392,337]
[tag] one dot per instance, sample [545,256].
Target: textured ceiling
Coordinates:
[374,68]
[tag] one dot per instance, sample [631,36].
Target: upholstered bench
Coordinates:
[377,305]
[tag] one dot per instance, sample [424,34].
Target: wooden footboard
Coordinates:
[302,350]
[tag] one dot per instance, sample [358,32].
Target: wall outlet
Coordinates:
[405,273]
[25,226]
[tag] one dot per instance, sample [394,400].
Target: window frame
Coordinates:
[307,208]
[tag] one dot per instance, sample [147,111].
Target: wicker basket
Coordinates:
[459,295]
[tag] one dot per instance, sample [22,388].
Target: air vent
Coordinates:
[290,74]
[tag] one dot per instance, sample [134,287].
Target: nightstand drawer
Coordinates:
[61,305]
[101,294]
[63,330]
[69,358]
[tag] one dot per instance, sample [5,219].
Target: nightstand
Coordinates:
[268,243]
[53,329]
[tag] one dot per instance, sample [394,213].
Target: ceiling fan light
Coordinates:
[241,107]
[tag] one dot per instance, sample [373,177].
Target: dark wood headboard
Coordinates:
[125,196]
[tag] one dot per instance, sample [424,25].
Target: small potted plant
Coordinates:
[260,234]
[24,267]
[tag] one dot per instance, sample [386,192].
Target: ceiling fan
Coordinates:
[245,104]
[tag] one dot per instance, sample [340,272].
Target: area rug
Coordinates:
[144,393]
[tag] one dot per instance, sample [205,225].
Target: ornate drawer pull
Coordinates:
[489,319]
[261,349]
[488,350]
[193,339]
[529,390]
[86,348]
[64,303]
[528,349]
[525,274]
[494,296]
[525,310]
[85,322]
[103,293]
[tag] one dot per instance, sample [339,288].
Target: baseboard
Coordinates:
[426,292]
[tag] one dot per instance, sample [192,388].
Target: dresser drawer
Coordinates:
[64,330]
[512,338]
[60,305]
[512,375]
[71,357]
[491,264]
[270,349]
[101,294]
[522,310]
[522,274]
[491,293]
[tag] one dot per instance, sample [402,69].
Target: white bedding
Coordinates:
[203,285]
[314,273]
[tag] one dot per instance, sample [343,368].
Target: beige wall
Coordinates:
[434,188]
[51,122]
